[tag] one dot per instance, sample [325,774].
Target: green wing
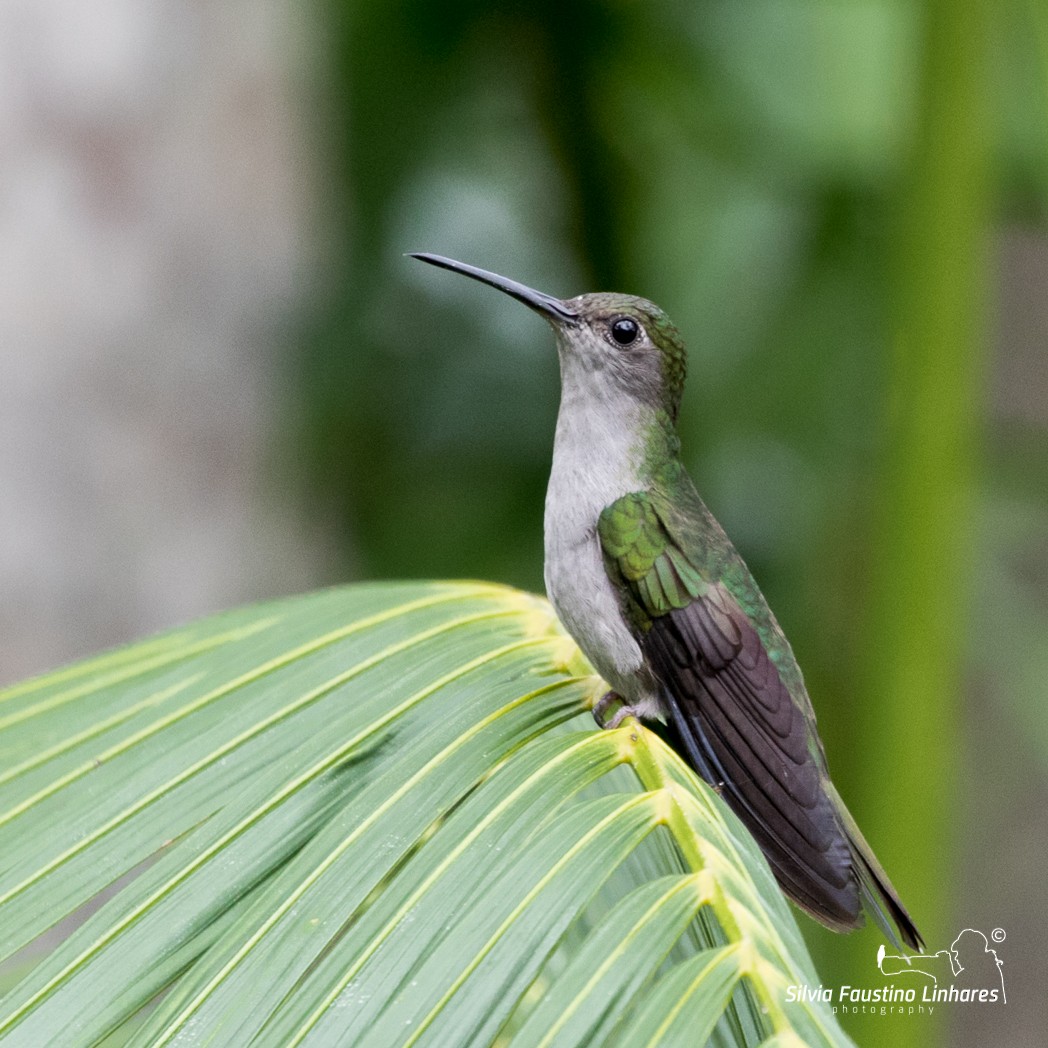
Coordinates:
[735,718]
[659,577]
[737,704]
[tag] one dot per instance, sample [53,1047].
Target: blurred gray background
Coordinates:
[156,192]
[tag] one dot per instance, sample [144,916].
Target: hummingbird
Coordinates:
[651,589]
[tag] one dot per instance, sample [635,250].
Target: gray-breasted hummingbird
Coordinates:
[653,592]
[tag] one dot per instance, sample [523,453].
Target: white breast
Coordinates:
[596,460]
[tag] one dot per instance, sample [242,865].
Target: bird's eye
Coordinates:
[625,330]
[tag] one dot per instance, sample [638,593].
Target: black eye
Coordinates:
[625,330]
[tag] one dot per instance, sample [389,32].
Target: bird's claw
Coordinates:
[600,708]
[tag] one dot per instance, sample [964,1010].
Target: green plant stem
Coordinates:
[912,675]
[652,774]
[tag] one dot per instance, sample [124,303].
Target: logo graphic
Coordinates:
[968,971]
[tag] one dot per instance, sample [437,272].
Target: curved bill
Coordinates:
[537,300]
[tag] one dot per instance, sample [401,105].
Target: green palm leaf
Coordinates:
[376,815]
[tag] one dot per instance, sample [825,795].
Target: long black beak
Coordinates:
[549,306]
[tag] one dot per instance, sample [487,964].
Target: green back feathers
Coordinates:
[659,577]
[667,551]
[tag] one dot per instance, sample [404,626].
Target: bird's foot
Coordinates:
[600,708]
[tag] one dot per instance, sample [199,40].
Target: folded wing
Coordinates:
[732,712]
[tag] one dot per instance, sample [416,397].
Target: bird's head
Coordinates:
[607,342]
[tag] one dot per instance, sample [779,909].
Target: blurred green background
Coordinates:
[220,379]
[843,206]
